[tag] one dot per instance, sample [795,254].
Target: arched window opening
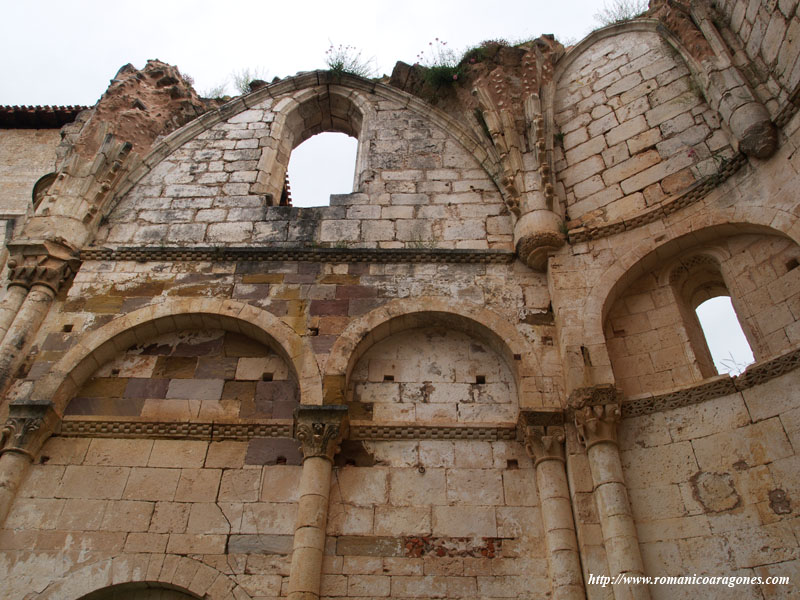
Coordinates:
[724,335]
[322,165]
[715,333]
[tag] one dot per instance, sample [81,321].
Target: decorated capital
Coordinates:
[542,432]
[597,424]
[320,429]
[47,263]
[26,428]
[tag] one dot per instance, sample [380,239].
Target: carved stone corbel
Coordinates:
[320,429]
[597,424]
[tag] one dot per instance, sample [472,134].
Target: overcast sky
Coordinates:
[66,52]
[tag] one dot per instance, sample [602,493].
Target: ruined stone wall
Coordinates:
[387,397]
[418,188]
[712,487]
[765,41]
[634,128]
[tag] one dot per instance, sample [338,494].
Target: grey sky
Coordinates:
[65,53]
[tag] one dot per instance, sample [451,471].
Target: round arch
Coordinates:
[100,346]
[650,254]
[403,314]
[193,578]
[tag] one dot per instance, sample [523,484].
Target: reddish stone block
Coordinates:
[328,307]
[322,344]
[355,291]
[216,367]
[359,306]
[146,388]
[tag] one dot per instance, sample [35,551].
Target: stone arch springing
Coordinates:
[102,345]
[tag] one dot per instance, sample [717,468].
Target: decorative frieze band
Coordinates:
[432,432]
[716,387]
[155,429]
[344,255]
[245,431]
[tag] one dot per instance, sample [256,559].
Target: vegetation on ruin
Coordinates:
[619,11]
[442,65]
[347,59]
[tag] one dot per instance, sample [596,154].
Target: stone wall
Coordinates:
[653,336]
[477,375]
[436,518]
[712,487]
[634,128]
[92,498]
[25,156]
[764,36]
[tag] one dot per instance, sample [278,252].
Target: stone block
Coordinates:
[93,482]
[178,453]
[151,484]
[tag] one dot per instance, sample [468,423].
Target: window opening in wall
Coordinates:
[324,164]
[726,341]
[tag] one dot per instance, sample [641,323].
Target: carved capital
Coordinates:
[542,432]
[545,443]
[320,429]
[47,263]
[26,428]
[597,424]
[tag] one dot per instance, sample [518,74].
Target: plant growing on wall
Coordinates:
[619,11]
[347,59]
[242,78]
[442,66]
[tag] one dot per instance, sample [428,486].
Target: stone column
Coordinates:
[10,305]
[320,430]
[597,430]
[41,266]
[23,434]
[545,445]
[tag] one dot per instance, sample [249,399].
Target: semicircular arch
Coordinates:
[100,346]
[647,255]
[404,314]
[206,581]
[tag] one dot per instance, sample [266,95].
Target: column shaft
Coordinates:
[597,426]
[309,533]
[25,325]
[13,467]
[545,444]
[9,307]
